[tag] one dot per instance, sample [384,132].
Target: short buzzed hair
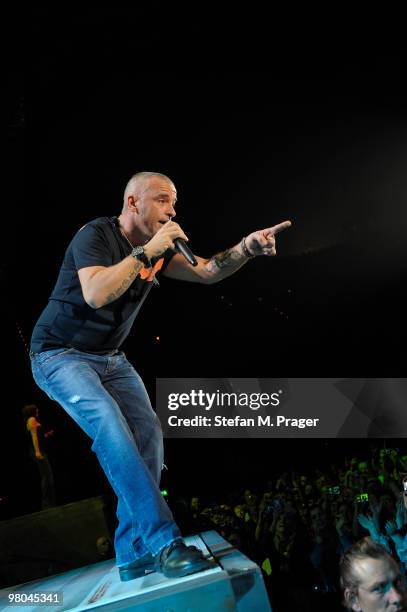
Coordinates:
[366,548]
[137,178]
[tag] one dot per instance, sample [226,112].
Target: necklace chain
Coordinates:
[155,281]
[124,234]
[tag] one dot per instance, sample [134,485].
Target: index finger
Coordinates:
[279,227]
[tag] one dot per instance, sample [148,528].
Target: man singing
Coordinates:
[108,270]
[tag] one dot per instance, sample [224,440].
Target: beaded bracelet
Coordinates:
[245,249]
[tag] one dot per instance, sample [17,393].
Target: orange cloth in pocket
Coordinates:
[149,273]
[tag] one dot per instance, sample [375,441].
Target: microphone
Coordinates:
[185,251]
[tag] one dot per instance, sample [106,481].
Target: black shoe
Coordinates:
[143,566]
[177,560]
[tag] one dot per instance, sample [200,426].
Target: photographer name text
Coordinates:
[238,421]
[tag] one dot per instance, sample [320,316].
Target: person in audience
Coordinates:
[371,579]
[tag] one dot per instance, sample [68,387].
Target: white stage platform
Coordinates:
[233,583]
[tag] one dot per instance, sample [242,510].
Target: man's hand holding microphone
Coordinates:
[169,236]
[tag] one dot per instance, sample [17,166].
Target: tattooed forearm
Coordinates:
[225,259]
[123,286]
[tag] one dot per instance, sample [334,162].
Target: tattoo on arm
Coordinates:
[124,285]
[223,260]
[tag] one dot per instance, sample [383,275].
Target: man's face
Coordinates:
[381,586]
[155,204]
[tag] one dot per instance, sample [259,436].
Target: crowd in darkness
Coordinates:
[296,525]
[300,524]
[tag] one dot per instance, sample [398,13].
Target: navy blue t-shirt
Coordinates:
[67,320]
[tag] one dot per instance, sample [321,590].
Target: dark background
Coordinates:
[303,123]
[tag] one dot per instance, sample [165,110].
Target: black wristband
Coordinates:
[245,250]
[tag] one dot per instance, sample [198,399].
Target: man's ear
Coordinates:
[132,203]
[351,599]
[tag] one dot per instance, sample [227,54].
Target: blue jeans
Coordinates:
[107,399]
